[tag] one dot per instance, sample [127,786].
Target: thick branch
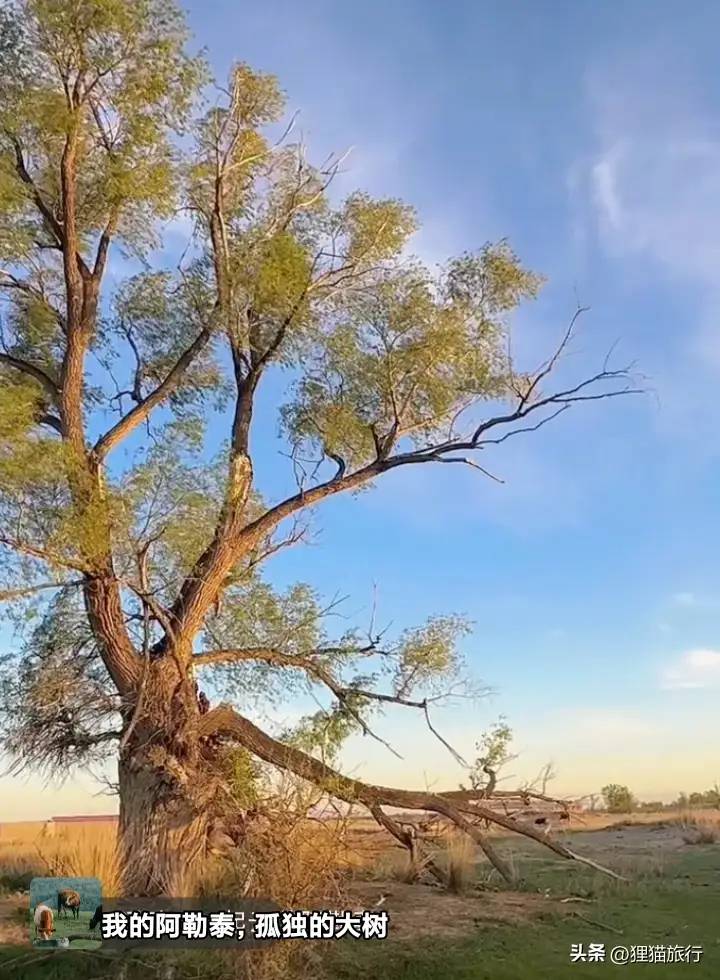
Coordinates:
[230,543]
[142,410]
[307,663]
[33,371]
[408,840]
[103,247]
[311,667]
[224,720]
[48,216]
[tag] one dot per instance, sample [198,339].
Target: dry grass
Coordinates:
[701,829]
[601,821]
[78,851]
[460,862]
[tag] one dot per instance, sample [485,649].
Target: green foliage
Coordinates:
[710,797]
[281,277]
[55,698]
[493,750]
[103,97]
[161,317]
[375,230]
[243,777]
[428,654]
[404,358]
[35,504]
[618,799]
[323,733]
[651,806]
[117,75]
[170,497]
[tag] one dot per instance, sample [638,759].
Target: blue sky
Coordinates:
[589,135]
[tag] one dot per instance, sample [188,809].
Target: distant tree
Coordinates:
[119,496]
[651,806]
[618,799]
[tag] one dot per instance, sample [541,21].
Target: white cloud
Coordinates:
[648,191]
[606,199]
[654,174]
[658,195]
[684,599]
[693,669]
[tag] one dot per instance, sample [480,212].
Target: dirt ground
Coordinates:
[421,910]
[629,839]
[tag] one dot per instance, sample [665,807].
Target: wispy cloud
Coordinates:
[648,192]
[693,669]
[695,601]
[654,175]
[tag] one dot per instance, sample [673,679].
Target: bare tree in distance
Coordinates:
[133,545]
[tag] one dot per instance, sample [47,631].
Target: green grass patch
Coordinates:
[680,907]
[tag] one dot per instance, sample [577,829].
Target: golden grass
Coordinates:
[599,821]
[84,850]
[89,849]
[460,862]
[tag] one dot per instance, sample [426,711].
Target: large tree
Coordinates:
[132,541]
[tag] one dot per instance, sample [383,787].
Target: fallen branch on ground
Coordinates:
[459,806]
[599,925]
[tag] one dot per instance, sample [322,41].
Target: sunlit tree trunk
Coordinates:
[167,792]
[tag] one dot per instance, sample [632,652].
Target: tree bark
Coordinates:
[162,831]
[168,792]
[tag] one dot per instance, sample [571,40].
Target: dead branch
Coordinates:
[599,925]
[408,839]
[224,720]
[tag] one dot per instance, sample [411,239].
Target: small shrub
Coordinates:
[702,835]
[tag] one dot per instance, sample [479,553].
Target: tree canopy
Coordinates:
[126,570]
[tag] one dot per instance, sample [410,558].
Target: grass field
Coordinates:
[485,930]
[676,903]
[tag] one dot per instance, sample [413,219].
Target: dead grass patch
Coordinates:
[418,911]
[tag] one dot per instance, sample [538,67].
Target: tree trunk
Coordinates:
[162,830]
[168,793]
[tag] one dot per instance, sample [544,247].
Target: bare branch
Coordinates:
[224,720]
[33,371]
[408,839]
[51,557]
[28,590]
[143,409]
[51,223]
